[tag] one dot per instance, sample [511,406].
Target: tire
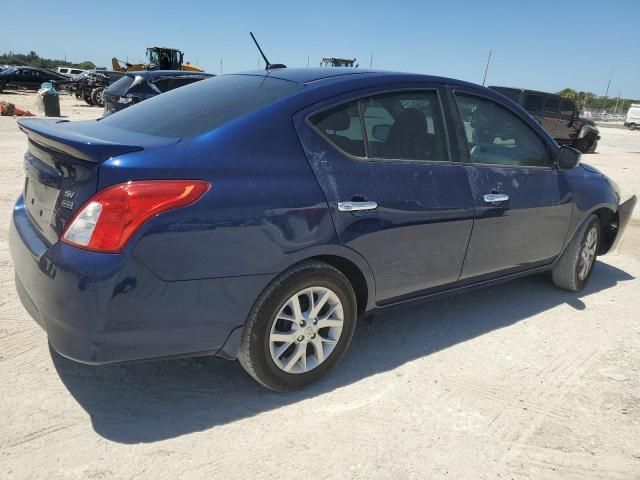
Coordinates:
[632,126]
[2,82]
[593,146]
[266,360]
[568,273]
[87,99]
[585,143]
[97,97]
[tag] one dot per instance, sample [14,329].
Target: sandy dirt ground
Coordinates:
[520,380]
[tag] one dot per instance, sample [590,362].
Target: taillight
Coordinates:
[108,220]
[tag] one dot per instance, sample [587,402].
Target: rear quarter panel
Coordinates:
[264,212]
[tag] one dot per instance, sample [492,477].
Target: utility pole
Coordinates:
[371,61]
[606,94]
[307,61]
[486,69]
[220,66]
[615,109]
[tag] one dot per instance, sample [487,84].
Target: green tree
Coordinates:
[568,93]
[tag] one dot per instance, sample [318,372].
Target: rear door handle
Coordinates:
[352,206]
[496,197]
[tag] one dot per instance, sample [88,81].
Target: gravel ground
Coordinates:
[520,380]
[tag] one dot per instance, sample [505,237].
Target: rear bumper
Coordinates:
[109,308]
[625,210]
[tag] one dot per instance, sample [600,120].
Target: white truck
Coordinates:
[633,117]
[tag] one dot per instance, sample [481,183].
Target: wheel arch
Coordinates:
[354,275]
[608,219]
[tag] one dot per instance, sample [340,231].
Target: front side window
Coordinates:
[497,136]
[403,125]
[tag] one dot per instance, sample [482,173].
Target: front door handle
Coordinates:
[352,206]
[496,197]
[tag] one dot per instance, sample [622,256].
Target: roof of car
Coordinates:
[310,75]
[167,73]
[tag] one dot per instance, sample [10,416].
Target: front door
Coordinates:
[522,202]
[394,193]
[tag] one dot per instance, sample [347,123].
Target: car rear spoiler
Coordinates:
[52,134]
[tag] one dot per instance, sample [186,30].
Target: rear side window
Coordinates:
[567,107]
[551,105]
[403,125]
[121,86]
[202,106]
[342,126]
[533,103]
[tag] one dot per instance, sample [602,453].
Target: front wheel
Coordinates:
[299,328]
[97,97]
[632,126]
[573,269]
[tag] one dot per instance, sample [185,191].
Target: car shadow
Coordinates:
[148,402]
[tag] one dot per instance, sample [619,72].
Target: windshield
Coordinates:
[202,106]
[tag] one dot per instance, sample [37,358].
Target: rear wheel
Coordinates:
[300,327]
[632,126]
[573,270]
[586,144]
[87,99]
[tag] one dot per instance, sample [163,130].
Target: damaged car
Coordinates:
[258,216]
[134,87]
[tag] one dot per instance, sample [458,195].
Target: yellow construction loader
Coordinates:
[158,58]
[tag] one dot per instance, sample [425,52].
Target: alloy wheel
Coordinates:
[306,330]
[588,253]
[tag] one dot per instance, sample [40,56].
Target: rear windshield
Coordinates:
[119,87]
[202,106]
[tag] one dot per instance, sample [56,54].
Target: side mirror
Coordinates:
[568,157]
[381,132]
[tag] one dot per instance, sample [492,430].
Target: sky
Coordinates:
[543,44]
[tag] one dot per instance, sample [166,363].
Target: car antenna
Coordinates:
[268,65]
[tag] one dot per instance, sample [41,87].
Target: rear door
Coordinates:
[522,202]
[395,195]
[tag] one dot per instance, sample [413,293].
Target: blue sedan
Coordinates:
[257,216]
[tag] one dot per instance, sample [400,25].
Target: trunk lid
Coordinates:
[62,164]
